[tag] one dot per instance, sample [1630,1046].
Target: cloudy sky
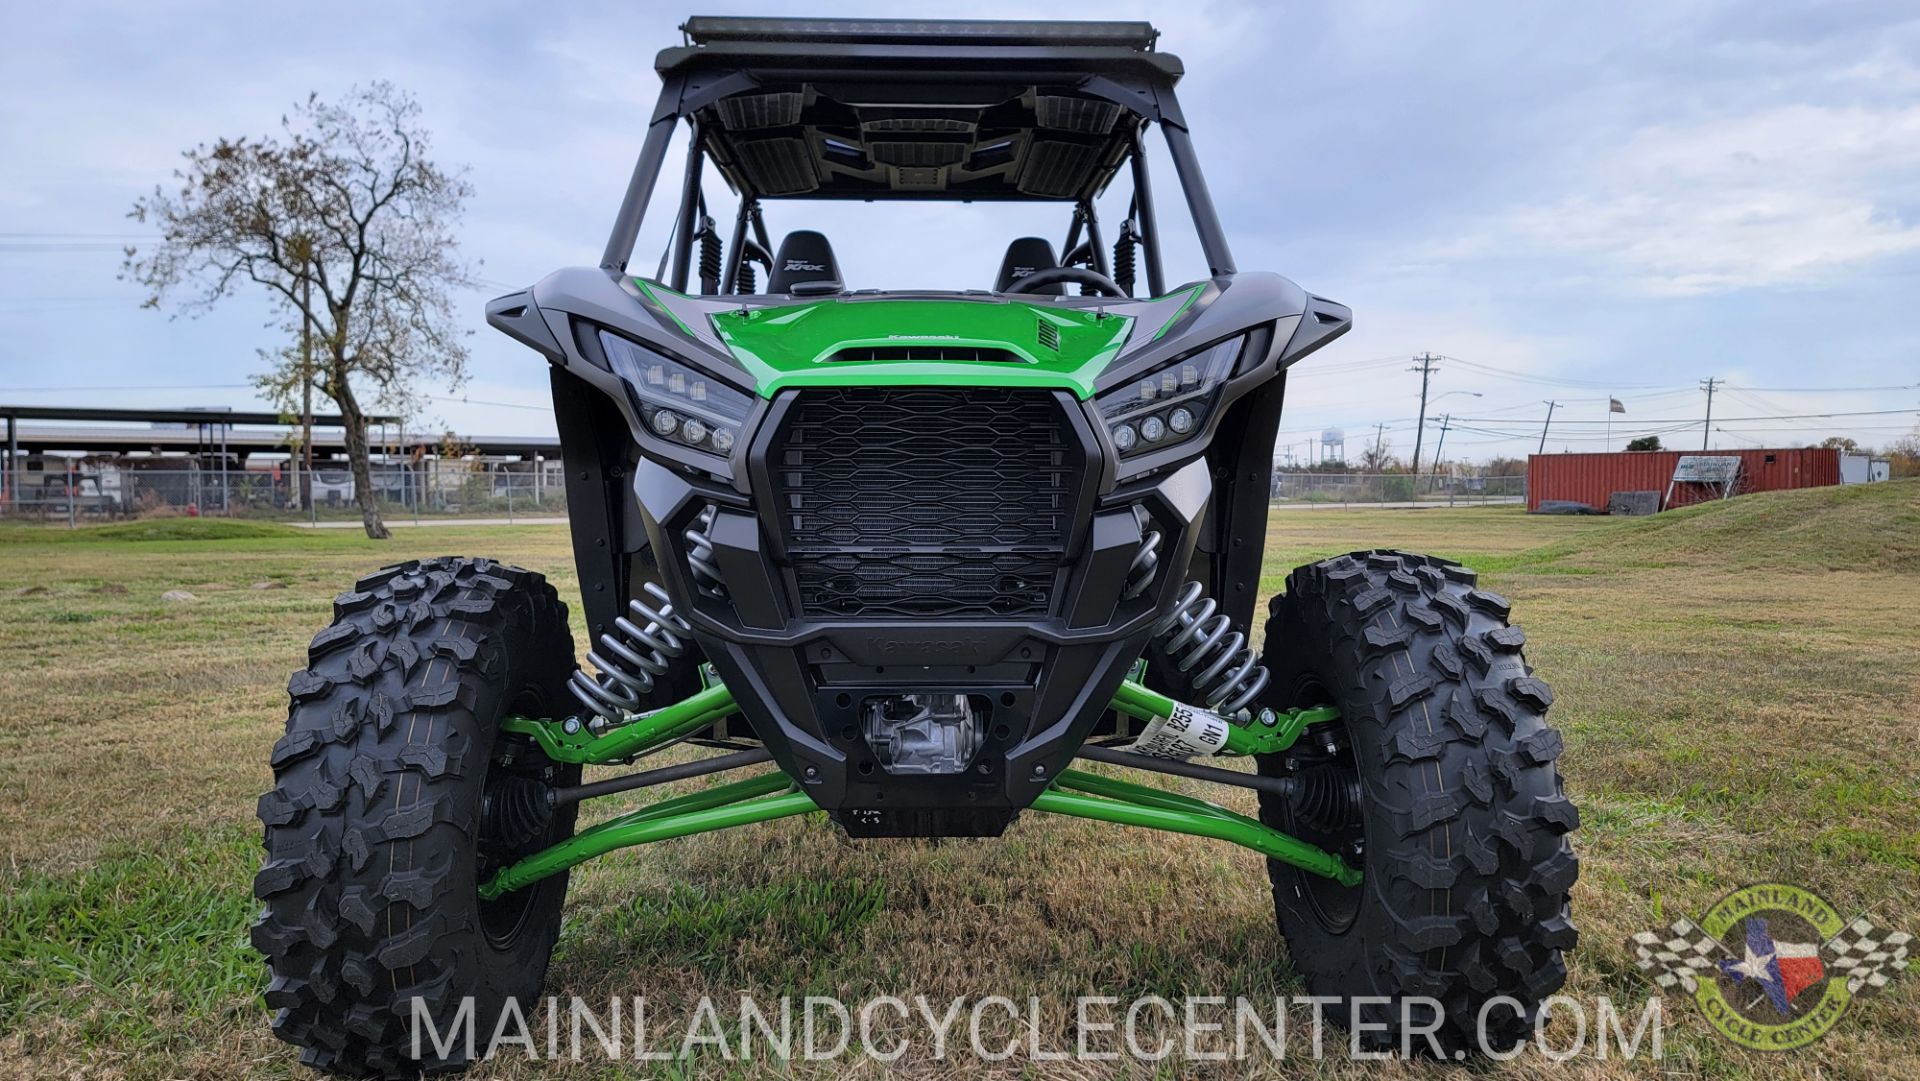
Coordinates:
[1565,201]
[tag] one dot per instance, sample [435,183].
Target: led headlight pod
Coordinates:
[679,403]
[1169,406]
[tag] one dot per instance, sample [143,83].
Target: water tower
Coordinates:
[1333,446]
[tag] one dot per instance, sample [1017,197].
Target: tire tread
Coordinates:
[375,792]
[1469,871]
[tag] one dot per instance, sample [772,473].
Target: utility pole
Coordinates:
[1706,427]
[1440,447]
[1425,368]
[1379,433]
[1544,427]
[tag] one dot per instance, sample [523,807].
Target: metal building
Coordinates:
[1592,478]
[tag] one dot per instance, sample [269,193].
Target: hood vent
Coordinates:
[969,353]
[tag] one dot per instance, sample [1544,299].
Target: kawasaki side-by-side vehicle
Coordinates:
[909,559]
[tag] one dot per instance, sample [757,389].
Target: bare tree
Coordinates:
[1903,457]
[1379,458]
[349,227]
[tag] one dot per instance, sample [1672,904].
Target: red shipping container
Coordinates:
[1591,478]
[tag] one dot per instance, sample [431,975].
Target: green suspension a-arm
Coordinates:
[1075,793]
[721,807]
[570,741]
[1267,733]
[1109,799]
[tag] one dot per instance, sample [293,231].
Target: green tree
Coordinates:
[1645,442]
[349,227]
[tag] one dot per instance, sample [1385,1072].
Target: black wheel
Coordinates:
[1439,782]
[395,796]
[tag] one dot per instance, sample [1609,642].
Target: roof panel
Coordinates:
[712,29]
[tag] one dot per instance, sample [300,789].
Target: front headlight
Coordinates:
[1170,405]
[677,401]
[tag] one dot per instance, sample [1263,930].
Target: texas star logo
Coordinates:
[1773,967]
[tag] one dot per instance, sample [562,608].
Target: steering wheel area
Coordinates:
[1079,275]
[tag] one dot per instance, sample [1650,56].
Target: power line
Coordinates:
[1831,390]
[1543,380]
[478,401]
[53,246]
[148,386]
[1776,416]
[1498,435]
[1348,367]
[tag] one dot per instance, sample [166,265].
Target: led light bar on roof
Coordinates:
[714,29]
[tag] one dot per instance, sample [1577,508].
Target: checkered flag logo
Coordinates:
[1866,956]
[1678,955]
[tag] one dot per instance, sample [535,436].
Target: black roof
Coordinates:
[714,29]
[919,108]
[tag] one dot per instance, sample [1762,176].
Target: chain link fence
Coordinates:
[1394,489]
[79,493]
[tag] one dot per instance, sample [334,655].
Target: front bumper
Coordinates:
[800,679]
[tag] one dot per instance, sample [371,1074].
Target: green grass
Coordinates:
[1738,685]
[153,529]
[192,529]
[101,947]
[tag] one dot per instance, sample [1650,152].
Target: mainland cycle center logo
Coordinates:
[1772,966]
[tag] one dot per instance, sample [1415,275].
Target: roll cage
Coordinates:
[974,110]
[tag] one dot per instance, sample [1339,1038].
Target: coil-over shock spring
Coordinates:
[709,256]
[629,656]
[1200,636]
[706,572]
[1146,560]
[1123,249]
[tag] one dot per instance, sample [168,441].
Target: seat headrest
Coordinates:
[804,256]
[1024,256]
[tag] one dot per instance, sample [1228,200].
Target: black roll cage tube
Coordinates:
[678,100]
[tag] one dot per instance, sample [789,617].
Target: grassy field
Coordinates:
[1738,685]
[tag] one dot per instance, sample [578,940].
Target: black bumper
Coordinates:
[1045,679]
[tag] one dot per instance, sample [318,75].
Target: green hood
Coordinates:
[822,343]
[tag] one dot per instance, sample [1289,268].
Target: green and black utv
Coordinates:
[921,551]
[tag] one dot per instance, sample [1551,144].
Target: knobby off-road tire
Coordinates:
[1461,820]
[375,833]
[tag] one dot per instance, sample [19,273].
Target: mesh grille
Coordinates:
[747,111]
[1075,114]
[778,166]
[925,503]
[1057,168]
[925,154]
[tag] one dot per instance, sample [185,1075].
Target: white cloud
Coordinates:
[1687,150]
[1788,195]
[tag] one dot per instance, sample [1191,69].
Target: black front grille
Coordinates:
[925,502]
